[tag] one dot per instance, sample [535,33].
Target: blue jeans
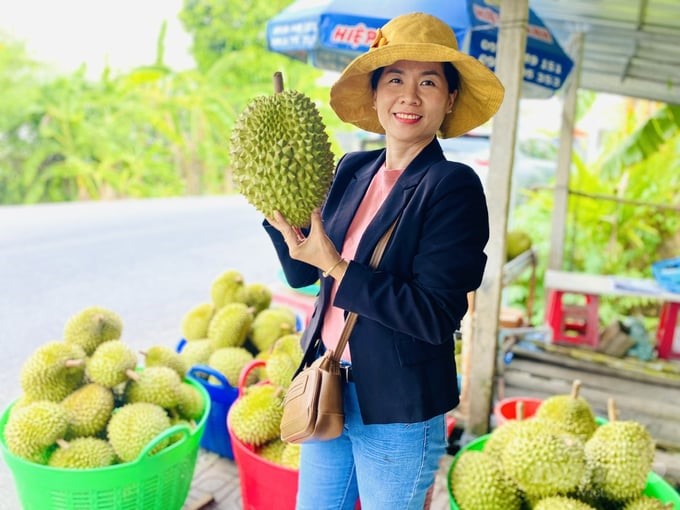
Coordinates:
[391,467]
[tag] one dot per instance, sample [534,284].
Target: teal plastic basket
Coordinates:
[152,482]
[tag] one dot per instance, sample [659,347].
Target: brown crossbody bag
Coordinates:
[313,404]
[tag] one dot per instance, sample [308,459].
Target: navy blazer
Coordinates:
[410,306]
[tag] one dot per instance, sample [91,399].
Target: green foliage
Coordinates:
[150,132]
[219,27]
[621,237]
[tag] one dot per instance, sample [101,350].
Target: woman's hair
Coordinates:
[450,73]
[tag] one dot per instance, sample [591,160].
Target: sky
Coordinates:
[67,33]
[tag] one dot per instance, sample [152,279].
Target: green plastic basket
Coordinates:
[656,486]
[152,482]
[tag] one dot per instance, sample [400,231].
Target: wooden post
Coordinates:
[484,345]
[561,195]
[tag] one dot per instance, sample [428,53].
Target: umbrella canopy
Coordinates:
[329,33]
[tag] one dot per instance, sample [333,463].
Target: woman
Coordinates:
[412,85]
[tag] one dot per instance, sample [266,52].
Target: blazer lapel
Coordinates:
[397,199]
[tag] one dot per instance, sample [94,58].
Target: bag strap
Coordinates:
[352,316]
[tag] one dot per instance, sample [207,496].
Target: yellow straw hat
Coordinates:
[418,37]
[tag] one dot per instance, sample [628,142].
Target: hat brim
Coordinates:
[479,97]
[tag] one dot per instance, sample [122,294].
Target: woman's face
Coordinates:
[411,100]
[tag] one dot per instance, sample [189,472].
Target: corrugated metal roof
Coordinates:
[631,47]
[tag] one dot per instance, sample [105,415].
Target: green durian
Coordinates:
[271,324]
[284,359]
[197,352]
[647,503]
[33,430]
[93,326]
[111,363]
[290,456]
[258,296]
[562,503]
[52,371]
[478,482]
[161,355]
[281,157]
[572,412]
[83,453]
[88,409]
[229,361]
[227,288]
[156,385]
[196,321]
[255,417]
[230,326]
[133,426]
[190,402]
[620,455]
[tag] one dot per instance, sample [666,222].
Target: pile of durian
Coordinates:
[227,333]
[87,401]
[558,459]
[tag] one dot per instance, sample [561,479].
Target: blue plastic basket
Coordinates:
[667,274]
[222,396]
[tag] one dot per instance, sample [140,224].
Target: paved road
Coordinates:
[148,260]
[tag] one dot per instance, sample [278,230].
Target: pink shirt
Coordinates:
[380,187]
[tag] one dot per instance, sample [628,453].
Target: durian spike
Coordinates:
[575,388]
[278,82]
[71,363]
[132,374]
[519,410]
[612,412]
[63,443]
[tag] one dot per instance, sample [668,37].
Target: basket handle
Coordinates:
[180,345]
[197,371]
[245,372]
[182,428]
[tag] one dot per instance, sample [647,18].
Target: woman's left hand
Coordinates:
[315,249]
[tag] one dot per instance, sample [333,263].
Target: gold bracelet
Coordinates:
[327,273]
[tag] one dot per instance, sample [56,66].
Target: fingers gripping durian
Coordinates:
[281,157]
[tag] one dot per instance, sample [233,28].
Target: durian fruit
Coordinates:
[229,361]
[562,503]
[111,363]
[543,460]
[255,417]
[190,403]
[284,359]
[281,157]
[271,324]
[31,431]
[620,455]
[257,296]
[647,503]
[290,456]
[88,409]
[272,450]
[230,326]
[500,436]
[516,243]
[227,288]
[155,385]
[91,327]
[573,412]
[197,352]
[52,371]
[478,481]
[133,426]
[196,321]
[83,453]
[160,355]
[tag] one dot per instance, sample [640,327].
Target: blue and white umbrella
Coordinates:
[329,33]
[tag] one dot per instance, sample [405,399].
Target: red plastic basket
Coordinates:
[263,483]
[506,409]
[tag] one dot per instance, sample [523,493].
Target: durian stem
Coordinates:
[519,410]
[143,353]
[63,443]
[132,374]
[278,82]
[72,363]
[575,388]
[612,412]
